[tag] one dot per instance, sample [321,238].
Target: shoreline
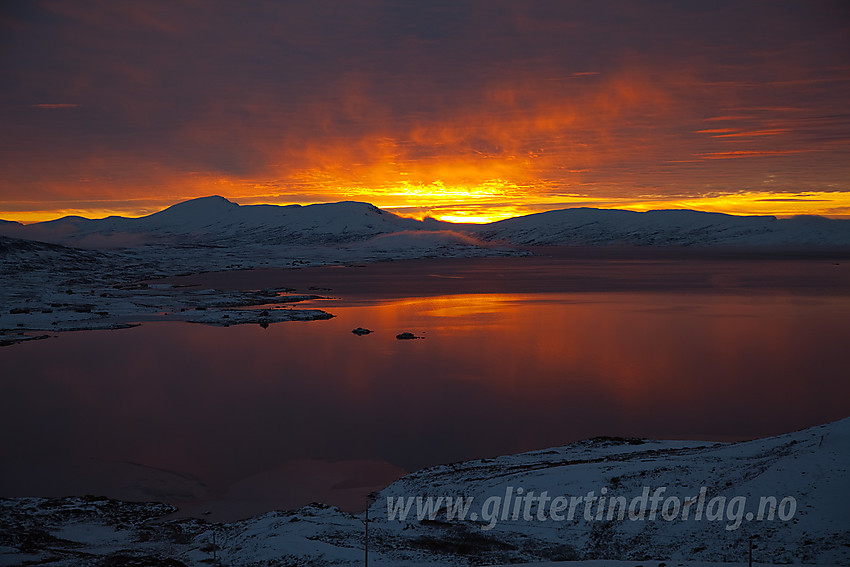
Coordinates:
[226,297]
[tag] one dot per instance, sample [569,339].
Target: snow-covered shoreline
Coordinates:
[47,288]
[808,465]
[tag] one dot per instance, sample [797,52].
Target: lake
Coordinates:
[516,354]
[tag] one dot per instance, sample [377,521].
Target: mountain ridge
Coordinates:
[215,220]
[667,227]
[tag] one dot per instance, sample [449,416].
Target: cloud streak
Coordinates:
[55,105]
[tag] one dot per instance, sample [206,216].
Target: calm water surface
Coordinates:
[306,411]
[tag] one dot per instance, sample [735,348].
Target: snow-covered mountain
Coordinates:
[590,227]
[803,472]
[215,221]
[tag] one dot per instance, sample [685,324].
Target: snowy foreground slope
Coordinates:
[807,467]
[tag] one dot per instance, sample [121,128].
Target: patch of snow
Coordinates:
[810,465]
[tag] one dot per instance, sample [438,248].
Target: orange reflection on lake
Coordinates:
[244,408]
[674,365]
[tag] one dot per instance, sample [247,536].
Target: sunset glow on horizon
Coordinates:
[485,210]
[460,111]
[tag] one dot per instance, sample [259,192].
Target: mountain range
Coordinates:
[216,221]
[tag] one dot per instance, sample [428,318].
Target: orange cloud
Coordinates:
[736,154]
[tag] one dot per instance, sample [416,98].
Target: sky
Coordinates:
[469,110]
